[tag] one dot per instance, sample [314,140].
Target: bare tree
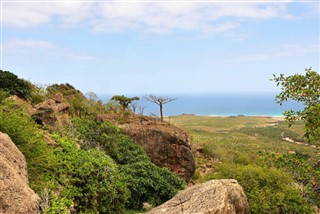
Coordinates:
[160,101]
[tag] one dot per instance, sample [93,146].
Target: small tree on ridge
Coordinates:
[124,101]
[160,101]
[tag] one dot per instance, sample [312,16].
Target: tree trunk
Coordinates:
[161,114]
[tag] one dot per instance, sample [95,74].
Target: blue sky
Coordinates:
[127,47]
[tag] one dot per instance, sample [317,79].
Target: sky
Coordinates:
[143,47]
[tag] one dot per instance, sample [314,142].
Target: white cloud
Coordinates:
[27,14]
[39,49]
[148,16]
[19,44]
[284,51]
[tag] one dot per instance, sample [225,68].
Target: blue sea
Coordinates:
[217,104]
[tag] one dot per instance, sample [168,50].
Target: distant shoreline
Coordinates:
[278,117]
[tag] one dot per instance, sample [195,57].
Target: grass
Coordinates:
[225,138]
[249,149]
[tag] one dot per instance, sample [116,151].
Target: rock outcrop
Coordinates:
[16,197]
[166,145]
[52,112]
[212,197]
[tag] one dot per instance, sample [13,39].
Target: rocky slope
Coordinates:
[16,197]
[166,145]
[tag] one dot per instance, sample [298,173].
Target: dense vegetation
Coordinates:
[278,176]
[93,167]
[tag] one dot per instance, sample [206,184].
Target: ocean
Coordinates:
[217,104]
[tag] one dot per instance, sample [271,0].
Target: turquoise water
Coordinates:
[227,104]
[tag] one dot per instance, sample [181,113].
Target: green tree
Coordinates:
[14,85]
[304,89]
[160,101]
[124,101]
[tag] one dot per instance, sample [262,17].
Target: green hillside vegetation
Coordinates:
[92,166]
[277,176]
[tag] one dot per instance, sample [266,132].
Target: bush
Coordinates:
[4,93]
[146,181]
[268,190]
[90,179]
[149,183]
[302,172]
[109,138]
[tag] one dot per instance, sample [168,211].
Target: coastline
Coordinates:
[223,115]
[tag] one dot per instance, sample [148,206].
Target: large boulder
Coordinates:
[212,197]
[166,145]
[16,197]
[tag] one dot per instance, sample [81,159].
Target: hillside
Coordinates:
[269,159]
[76,163]
[84,156]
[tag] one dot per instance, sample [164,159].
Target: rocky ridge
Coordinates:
[165,144]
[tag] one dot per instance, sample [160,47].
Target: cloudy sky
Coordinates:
[121,47]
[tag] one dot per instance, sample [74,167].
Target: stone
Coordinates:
[52,112]
[58,98]
[224,196]
[166,145]
[16,197]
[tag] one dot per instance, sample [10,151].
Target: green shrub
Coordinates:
[109,138]
[268,190]
[65,89]
[302,172]
[91,179]
[149,183]
[30,141]
[4,93]
[146,181]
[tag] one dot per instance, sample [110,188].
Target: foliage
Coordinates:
[268,190]
[302,172]
[149,183]
[124,101]
[91,179]
[65,89]
[4,93]
[110,139]
[15,85]
[305,89]
[30,141]
[146,181]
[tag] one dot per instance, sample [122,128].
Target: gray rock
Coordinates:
[224,196]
